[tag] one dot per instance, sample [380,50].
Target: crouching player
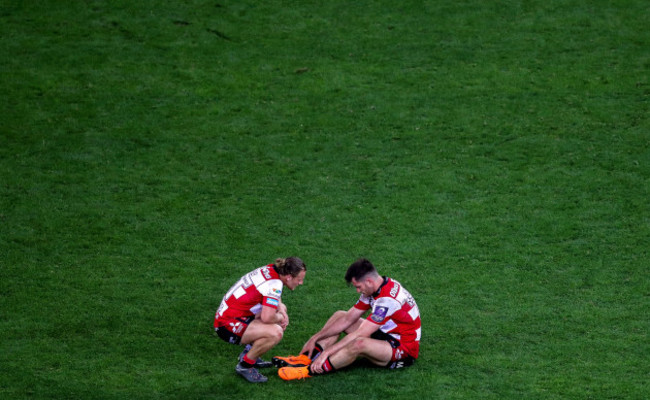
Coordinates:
[388,337]
[252,313]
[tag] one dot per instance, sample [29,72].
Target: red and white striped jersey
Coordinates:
[260,287]
[395,310]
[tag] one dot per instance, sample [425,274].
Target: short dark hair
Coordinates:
[359,269]
[290,266]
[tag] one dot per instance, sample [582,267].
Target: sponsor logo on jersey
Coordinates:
[276,292]
[394,290]
[272,302]
[266,273]
[379,314]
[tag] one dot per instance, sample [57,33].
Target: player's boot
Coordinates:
[291,361]
[251,374]
[259,363]
[292,373]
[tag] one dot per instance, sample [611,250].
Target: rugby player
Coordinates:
[252,313]
[389,337]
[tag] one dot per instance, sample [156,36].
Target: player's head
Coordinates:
[360,270]
[290,266]
[291,270]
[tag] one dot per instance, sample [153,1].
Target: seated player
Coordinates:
[252,313]
[388,337]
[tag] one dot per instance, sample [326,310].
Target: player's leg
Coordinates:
[304,359]
[263,337]
[327,342]
[260,339]
[379,352]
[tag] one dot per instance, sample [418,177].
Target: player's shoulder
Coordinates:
[268,272]
[264,274]
[390,289]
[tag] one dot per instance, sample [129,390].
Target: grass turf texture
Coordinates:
[492,156]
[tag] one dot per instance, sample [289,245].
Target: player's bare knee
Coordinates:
[276,333]
[358,346]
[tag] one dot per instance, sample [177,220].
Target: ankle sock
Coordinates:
[316,352]
[327,368]
[247,362]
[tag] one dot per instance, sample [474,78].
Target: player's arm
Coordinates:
[366,329]
[272,315]
[273,310]
[282,309]
[333,328]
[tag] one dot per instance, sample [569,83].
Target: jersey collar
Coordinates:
[381,286]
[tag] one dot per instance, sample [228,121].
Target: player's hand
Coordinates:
[309,347]
[284,322]
[282,310]
[317,364]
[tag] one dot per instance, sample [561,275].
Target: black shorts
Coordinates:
[381,335]
[232,332]
[399,359]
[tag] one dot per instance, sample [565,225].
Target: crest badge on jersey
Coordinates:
[379,314]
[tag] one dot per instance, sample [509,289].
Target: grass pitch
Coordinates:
[493,157]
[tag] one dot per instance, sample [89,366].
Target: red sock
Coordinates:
[247,362]
[315,353]
[327,367]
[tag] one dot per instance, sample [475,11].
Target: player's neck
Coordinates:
[377,282]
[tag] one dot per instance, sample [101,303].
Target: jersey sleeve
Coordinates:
[383,308]
[271,292]
[363,303]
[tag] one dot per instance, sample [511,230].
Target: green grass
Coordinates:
[492,156]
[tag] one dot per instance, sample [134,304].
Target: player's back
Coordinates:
[245,297]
